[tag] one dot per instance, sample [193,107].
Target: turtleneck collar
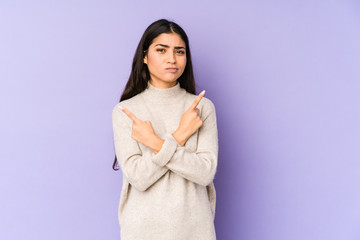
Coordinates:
[163,95]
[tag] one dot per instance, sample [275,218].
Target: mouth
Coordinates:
[171,69]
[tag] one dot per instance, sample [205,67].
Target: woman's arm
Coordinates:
[139,170]
[200,166]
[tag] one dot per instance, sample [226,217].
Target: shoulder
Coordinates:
[133,104]
[208,110]
[130,103]
[208,104]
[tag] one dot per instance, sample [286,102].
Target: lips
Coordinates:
[171,69]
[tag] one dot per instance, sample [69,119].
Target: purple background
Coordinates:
[285,80]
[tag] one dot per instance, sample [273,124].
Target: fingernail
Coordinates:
[203,92]
[121,107]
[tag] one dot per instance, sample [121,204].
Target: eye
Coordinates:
[181,52]
[160,50]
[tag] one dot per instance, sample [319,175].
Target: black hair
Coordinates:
[140,75]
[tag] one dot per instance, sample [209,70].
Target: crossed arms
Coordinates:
[143,169]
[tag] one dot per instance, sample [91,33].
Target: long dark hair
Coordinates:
[140,75]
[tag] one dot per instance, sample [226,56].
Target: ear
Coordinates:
[145,59]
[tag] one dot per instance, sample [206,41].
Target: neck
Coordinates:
[168,95]
[162,84]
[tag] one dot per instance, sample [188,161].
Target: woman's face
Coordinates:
[166,59]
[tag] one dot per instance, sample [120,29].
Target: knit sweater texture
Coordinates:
[169,195]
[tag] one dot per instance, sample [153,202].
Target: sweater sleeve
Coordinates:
[200,166]
[138,169]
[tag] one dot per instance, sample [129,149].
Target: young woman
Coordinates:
[166,143]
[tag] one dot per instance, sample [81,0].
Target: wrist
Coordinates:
[180,137]
[156,144]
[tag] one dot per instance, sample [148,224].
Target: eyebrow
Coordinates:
[166,46]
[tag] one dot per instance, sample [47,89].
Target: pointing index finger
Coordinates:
[128,113]
[197,100]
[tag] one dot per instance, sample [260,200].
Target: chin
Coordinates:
[171,80]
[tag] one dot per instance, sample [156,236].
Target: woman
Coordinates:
[166,143]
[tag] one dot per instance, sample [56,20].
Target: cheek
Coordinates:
[154,60]
[183,62]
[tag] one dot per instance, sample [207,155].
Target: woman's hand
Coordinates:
[190,122]
[143,132]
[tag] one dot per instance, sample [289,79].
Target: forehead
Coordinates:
[170,39]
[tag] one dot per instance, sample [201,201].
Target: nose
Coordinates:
[171,57]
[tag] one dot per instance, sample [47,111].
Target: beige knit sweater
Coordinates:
[169,195]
